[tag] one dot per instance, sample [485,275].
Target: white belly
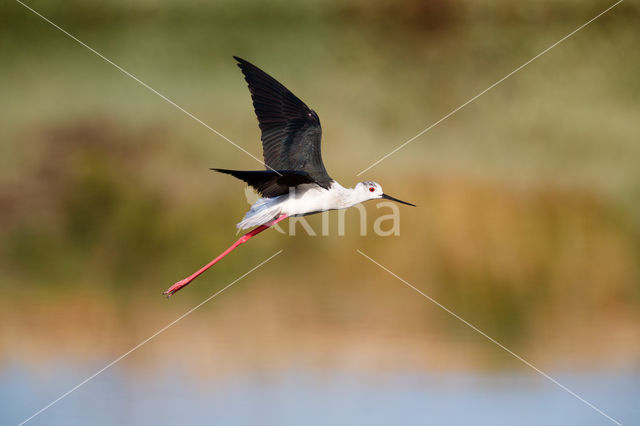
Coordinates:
[310,199]
[305,199]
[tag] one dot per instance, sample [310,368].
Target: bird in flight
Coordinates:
[295,182]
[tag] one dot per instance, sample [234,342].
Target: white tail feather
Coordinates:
[261,212]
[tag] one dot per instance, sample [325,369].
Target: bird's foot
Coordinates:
[177,286]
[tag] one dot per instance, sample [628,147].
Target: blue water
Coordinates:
[171,397]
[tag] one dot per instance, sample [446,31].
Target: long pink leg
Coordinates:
[177,286]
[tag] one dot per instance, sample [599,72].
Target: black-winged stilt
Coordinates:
[295,182]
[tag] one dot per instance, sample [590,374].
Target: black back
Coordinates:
[291,131]
[270,183]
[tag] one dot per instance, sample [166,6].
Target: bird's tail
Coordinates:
[261,212]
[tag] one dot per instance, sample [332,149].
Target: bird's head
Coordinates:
[372,190]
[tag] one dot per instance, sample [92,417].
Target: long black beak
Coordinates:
[388,197]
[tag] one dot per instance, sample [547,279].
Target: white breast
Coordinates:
[304,200]
[312,198]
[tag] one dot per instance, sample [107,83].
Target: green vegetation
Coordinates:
[528,222]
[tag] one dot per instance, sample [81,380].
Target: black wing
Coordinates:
[291,131]
[270,183]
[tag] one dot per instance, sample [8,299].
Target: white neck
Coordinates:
[348,197]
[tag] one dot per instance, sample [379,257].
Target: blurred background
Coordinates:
[528,223]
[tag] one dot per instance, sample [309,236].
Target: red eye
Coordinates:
[371,189]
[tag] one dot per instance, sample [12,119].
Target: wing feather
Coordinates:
[291,131]
[270,183]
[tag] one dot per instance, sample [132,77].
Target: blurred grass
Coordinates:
[528,224]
